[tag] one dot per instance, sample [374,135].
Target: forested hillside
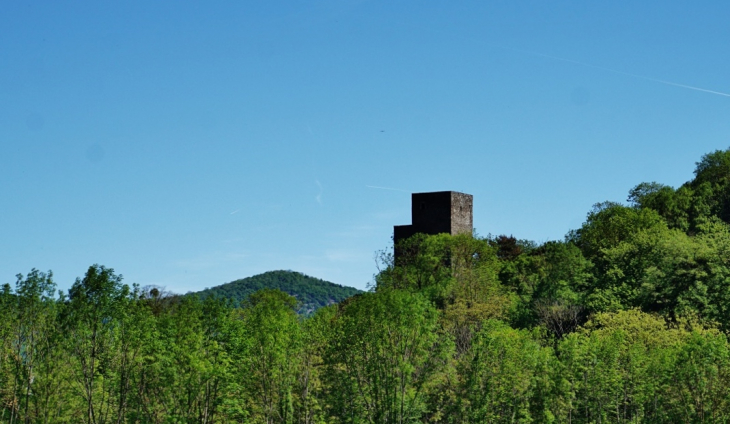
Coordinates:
[626,320]
[311,293]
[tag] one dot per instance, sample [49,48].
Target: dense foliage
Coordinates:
[311,293]
[625,321]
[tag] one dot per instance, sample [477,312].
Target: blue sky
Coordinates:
[187,144]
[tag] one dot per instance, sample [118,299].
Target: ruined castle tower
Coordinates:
[435,213]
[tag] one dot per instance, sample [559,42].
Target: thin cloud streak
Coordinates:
[387,188]
[318,197]
[615,71]
[603,68]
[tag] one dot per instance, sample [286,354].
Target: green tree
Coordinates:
[696,201]
[620,368]
[459,274]
[549,283]
[267,351]
[186,365]
[7,324]
[385,351]
[609,223]
[675,206]
[669,272]
[309,406]
[92,323]
[506,377]
[41,379]
[701,379]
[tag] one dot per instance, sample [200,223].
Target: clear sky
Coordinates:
[187,144]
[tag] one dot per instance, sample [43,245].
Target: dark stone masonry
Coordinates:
[437,212]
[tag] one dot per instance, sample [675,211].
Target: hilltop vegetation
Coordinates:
[626,320]
[311,293]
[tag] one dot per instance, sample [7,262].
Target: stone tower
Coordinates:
[435,213]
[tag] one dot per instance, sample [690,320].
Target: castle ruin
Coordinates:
[436,213]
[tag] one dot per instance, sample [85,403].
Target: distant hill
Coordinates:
[311,292]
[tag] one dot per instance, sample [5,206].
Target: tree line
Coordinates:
[624,321]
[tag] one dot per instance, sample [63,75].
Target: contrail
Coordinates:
[235,212]
[387,188]
[615,71]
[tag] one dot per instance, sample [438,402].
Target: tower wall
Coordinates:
[431,212]
[462,213]
[437,212]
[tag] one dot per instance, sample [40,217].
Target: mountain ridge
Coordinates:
[311,292]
